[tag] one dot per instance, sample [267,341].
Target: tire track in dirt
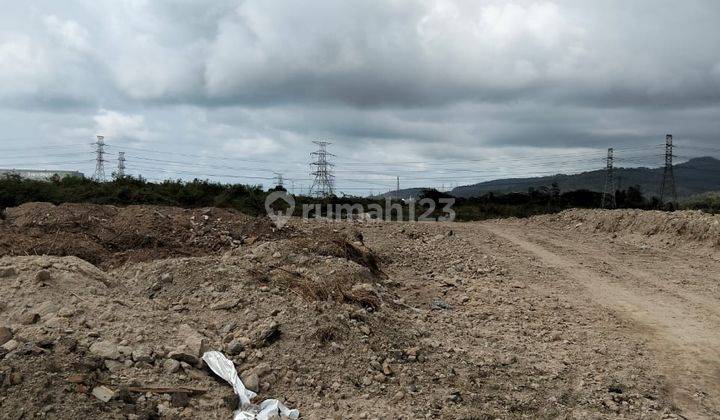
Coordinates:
[657,278]
[686,343]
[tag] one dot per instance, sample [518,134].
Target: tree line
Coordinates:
[250,199]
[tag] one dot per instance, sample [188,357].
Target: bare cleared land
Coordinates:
[586,314]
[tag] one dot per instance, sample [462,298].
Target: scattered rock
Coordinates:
[179,399]
[412,353]
[508,360]
[171,366]
[251,381]
[226,304]
[236,347]
[142,354]
[105,350]
[113,365]
[76,379]
[195,343]
[103,393]
[66,312]
[455,397]
[387,371]
[267,333]
[15,378]
[184,355]
[125,351]
[29,318]
[11,345]
[439,304]
[6,334]
[43,276]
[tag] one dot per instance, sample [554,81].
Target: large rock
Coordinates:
[43,276]
[234,348]
[182,354]
[142,354]
[171,366]
[29,318]
[103,393]
[6,335]
[266,333]
[226,304]
[11,345]
[251,381]
[194,343]
[105,349]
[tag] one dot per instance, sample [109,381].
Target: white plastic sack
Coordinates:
[224,368]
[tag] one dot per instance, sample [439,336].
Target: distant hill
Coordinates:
[404,194]
[696,176]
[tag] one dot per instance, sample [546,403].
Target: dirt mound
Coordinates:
[144,325]
[321,265]
[692,226]
[109,236]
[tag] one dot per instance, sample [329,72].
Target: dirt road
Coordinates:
[669,294]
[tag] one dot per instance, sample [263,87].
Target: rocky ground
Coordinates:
[352,320]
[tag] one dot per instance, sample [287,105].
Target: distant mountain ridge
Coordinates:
[696,176]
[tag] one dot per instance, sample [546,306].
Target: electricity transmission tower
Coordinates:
[278,179]
[99,159]
[608,197]
[668,182]
[324,183]
[121,165]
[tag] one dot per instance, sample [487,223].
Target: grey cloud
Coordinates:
[415,79]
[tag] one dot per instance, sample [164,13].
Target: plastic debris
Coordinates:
[224,368]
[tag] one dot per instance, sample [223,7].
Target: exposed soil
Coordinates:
[110,236]
[540,318]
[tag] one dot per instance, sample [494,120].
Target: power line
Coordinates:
[74,162]
[5,157]
[59,146]
[360,162]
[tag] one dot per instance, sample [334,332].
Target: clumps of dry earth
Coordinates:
[340,320]
[110,236]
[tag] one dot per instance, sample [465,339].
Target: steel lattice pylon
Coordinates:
[99,159]
[668,181]
[324,181]
[608,197]
[121,165]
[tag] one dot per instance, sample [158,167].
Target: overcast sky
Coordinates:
[504,88]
